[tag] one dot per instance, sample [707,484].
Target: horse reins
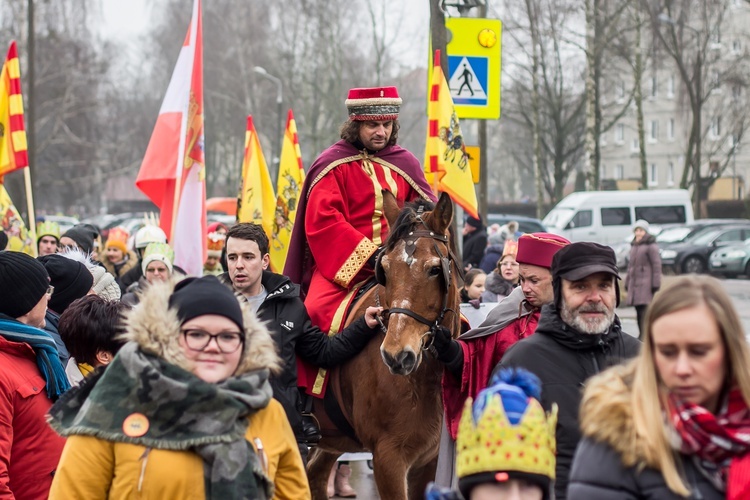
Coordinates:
[446,262]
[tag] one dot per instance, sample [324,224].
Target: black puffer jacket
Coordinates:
[598,468]
[294,334]
[473,249]
[563,359]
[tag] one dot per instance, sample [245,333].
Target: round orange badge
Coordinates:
[135,425]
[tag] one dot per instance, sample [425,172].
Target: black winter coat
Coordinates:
[563,359]
[285,316]
[598,473]
[473,249]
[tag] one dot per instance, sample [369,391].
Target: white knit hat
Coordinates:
[642,224]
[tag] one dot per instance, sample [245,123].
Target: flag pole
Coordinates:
[30,205]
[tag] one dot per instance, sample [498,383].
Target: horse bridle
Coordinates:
[446,263]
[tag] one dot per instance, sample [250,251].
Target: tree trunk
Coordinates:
[638,96]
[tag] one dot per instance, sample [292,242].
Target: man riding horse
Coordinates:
[340,223]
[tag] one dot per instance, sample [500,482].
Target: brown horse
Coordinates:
[390,393]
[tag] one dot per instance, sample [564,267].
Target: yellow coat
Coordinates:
[91,468]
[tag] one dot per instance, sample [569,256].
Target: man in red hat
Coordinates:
[340,222]
[470,359]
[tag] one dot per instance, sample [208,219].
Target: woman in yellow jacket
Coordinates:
[184,410]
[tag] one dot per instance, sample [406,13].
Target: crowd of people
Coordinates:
[123,377]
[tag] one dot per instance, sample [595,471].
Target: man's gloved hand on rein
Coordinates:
[449,351]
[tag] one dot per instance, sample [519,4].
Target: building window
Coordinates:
[654,88]
[670,129]
[736,91]
[620,91]
[602,171]
[670,86]
[603,139]
[653,131]
[715,37]
[736,46]
[715,82]
[619,172]
[635,145]
[670,174]
[619,133]
[653,175]
[715,130]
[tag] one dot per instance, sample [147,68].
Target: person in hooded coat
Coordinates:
[644,271]
[184,410]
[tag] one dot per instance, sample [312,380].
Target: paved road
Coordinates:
[362,479]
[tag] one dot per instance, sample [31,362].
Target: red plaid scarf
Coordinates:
[720,442]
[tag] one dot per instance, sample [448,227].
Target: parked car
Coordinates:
[525,224]
[731,261]
[63,221]
[691,256]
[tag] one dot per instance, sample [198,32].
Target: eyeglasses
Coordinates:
[198,340]
[50,290]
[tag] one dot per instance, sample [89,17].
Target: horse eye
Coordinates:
[435,271]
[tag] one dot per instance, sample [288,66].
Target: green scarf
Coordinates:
[183,411]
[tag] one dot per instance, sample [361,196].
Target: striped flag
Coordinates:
[13,154]
[256,200]
[172,174]
[446,162]
[288,187]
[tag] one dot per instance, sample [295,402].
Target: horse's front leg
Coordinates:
[390,469]
[319,468]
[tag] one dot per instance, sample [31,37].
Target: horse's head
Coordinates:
[418,271]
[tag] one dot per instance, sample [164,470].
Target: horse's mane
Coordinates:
[407,219]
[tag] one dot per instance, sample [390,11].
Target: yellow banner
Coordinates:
[291,177]
[19,239]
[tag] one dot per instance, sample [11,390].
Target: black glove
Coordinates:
[449,352]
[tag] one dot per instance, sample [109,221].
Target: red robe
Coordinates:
[343,227]
[481,355]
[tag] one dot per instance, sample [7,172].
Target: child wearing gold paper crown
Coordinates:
[506,443]
[215,244]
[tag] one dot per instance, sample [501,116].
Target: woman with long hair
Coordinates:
[184,410]
[675,421]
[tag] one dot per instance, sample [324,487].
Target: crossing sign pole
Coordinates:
[474,63]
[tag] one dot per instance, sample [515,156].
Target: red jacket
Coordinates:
[29,448]
[481,355]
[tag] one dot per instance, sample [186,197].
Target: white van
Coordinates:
[607,217]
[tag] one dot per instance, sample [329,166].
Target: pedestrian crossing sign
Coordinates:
[468,79]
[474,64]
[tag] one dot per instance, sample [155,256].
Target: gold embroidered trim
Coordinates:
[364,249]
[338,319]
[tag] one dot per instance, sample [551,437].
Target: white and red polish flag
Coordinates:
[172,174]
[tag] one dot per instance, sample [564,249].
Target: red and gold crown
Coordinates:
[492,444]
[377,103]
[118,238]
[215,243]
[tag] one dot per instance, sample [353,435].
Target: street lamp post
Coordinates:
[698,127]
[276,156]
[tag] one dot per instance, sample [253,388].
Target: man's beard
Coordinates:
[592,326]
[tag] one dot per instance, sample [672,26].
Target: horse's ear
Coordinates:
[443,213]
[390,208]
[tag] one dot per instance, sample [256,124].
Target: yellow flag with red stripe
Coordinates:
[446,162]
[288,187]
[13,154]
[256,200]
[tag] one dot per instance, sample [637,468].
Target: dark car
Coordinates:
[525,224]
[691,255]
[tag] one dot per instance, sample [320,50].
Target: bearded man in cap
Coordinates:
[578,336]
[31,377]
[340,221]
[470,359]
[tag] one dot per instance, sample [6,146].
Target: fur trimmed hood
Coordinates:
[156,329]
[606,414]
